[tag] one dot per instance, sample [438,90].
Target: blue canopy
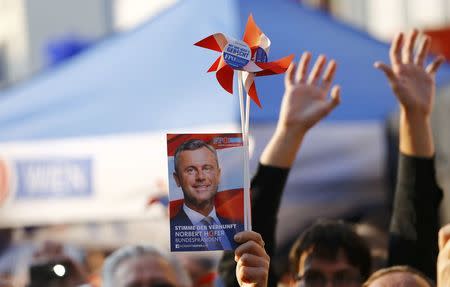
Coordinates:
[153,78]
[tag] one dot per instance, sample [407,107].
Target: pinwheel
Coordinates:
[249,55]
[249,58]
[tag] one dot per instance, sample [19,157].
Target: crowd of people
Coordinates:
[329,252]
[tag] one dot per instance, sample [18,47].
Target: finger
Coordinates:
[249,247]
[251,260]
[300,76]
[422,52]
[252,274]
[329,75]
[317,70]
[434,66]
[289,76]
[408,48]
[333,102]
[444,236]
[386,70]
[245,236]
[396,48]
[335,98]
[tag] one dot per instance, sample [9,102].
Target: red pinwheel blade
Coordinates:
[214,42]
[252,33]
[224,76]
[277,67]
[215,65]
[250,88]
[253,95]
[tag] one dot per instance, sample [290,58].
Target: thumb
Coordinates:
[386,70]
[333,102]
[335,98]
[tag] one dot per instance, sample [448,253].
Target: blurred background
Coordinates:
[89,88]
[29,30]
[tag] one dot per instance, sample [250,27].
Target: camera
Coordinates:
[50,274]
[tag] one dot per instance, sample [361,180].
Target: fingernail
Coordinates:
[237,238]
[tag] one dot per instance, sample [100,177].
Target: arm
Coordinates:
[305,102]
[414,221]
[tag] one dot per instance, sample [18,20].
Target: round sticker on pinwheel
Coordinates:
[237,54]
[260,56]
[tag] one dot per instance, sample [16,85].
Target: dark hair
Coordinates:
[397,269]
[325,238]
[193,144]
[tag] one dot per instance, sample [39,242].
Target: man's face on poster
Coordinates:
[198,175]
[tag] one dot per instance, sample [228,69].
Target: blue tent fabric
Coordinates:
[150,79]
[62,49]
[153,78]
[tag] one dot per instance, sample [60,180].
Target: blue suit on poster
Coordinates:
[194,241]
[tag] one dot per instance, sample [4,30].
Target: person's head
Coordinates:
[327,252]
[398,276]
[197,172]
[143,266]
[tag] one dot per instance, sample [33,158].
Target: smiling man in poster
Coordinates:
[197,225]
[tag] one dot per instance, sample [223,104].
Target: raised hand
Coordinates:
[414,87]
[306,101]
[252,268]
[413,84]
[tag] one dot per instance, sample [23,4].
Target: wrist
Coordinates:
[416,137]
[289,137]
[414,117]
[291,132]
[282,148]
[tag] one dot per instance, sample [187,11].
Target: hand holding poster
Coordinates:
[205,190]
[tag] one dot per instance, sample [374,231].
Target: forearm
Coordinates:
[267,190]
[414,223]
[416,137]
[282,148]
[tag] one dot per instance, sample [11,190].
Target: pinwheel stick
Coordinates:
[245,118]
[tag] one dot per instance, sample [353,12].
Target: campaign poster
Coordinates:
[206,192]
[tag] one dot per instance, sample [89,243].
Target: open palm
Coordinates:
[412,84]
[306,99]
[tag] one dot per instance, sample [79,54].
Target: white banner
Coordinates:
[84,180]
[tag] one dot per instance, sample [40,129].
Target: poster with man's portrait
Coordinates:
[206,192]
